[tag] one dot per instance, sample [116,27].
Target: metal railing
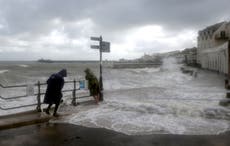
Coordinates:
[39,93]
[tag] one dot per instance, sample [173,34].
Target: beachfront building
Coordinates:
[190,56]
[213,47]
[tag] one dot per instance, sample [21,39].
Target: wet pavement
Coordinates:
[23,119]
[48,134]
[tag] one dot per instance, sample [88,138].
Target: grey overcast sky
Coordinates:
[61,29]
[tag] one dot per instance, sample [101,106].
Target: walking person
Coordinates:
[93,84]
[53,93]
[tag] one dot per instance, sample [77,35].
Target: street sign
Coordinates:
[95,38]
[82,84]
[95,47]
[105,46]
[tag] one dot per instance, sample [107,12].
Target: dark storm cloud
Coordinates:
[24,23]
[171,13]
[35,15]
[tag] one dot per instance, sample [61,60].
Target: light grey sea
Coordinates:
[136,101]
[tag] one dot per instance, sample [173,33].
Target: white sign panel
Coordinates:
[94,47]
[95,38]
[83,84]
[105,47]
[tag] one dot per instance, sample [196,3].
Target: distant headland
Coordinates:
[45,60]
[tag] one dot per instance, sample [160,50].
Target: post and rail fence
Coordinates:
[39,93]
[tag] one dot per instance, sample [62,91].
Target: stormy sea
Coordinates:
[137,101]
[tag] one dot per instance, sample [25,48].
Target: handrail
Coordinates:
[36,84]
[24,85]
[13,86]
[38,94]
[10,108]
[14,97]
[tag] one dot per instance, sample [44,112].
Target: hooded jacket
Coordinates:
[55,84]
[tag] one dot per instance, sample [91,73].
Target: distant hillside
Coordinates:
[45,60]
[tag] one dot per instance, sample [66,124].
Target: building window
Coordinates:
[222,34]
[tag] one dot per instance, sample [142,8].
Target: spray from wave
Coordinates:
[4,71]
[23,65]
[158,100]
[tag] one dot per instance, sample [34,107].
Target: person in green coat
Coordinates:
[93,84]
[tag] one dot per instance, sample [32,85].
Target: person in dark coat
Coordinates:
[53,93]
[93,84]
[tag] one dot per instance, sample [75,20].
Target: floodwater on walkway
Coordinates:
[136,101]
[158,100]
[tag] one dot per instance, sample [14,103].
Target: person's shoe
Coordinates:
[56,115]
[47,112]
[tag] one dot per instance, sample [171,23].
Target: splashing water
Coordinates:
[3,71]
[137,101]
[158,100]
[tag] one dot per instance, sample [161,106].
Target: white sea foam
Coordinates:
[133,119]
[158,100]
[144,70]
[140,101]
[3,71]
[23,65]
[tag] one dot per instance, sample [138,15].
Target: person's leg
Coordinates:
[55,109]
[48,109]
[96,98]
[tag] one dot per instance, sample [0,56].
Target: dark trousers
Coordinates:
[55,108]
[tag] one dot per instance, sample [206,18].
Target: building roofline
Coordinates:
[213,27]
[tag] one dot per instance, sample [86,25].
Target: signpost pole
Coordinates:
[102,47]
[101,80]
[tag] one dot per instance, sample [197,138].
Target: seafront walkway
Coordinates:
[51,134]
[34,116]
[33,128]
[23,119]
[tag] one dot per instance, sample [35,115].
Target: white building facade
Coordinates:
[216,58]
[213,47]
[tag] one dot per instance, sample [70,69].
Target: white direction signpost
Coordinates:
[105,47]
[102,47]
[95,38]
[95,47]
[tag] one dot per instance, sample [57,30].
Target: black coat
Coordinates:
[53,93]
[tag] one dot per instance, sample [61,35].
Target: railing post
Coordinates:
[74,93]
[39,97]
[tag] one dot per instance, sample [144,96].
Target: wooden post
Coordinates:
[39,97]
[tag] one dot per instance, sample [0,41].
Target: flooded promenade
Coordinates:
[72,135]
